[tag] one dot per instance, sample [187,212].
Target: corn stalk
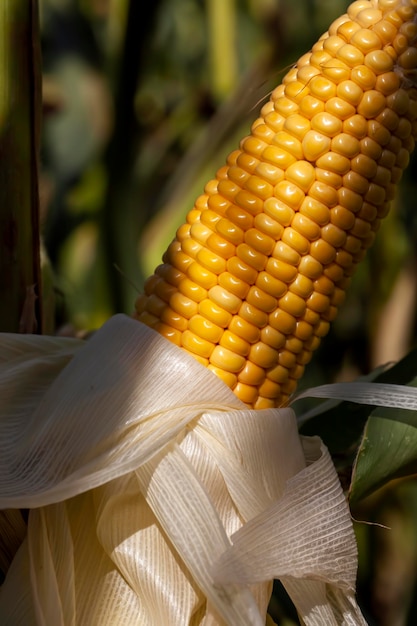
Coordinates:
[20,101]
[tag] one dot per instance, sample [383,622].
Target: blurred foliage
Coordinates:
[141,108]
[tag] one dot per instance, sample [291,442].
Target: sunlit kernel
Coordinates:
[234,285]
[346,145]
[322,87]
[350,91]
[356,125]
[333,235]
[340,108]
[259,241]
[281,270]
[332,43]
[278,210]
[371,104]
[315,210]
[278,156]
[289,143]
[334,162]
[302,286]
[261,299]
[355,182]
[238,175]
[315,144]
[192,290]
[351,55]
[297,125]
[251,257]
[226,359]
[342,217]
[283,321]
[289,193]
[270,285]
[253,315]
[263,355]
[234,343]
[311,105]
[364,165]
[267,225]
[379,62]
[306,226]
[327,124]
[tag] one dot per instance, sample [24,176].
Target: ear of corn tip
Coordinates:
[254,277]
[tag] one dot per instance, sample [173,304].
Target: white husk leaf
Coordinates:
[139,468]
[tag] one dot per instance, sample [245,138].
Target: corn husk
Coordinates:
[155,496]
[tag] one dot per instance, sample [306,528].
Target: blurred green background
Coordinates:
[140,109]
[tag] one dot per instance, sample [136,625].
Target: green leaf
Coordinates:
[388,450]
[341,427]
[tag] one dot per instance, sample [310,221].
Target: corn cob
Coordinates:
[254,277]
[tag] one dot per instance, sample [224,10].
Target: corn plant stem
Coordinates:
[20,105]
[119,236]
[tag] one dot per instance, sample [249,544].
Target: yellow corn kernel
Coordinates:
[295,240]
[281,270]
[287,358]
[365,75]
[289,143]
[364,165]
[342,217]
[310,267]
[350,91]
[272,337]
[269,172]
[241,270]
[310,106]
[303,330]
[297,125]
[356,126]
[249,202]
[346,145]
[253,315]
[287,254]
[234,285]
[211,261]
[269,389]
[261,300]
[205,329]
[315,210]
[292,304]
[201,276]
[323,193]
[234,343]
[263,355]
[322,251]
[227,360]
[238,175]
[172,334]
[192,291]
[334,162]
[246,393]
[259,241]
[302,286]
[174,319]
[242,328]
[278,157]
[224,299]
[306,226]
[351,55]
[227,377]
[270,285]
[195,344]
[239,217]
[214,313]
[252,374]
